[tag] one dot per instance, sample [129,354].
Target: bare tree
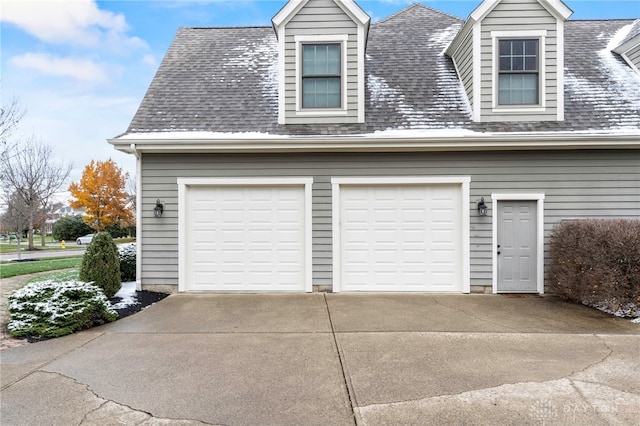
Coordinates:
[32,178]
[10,116]
[16,218]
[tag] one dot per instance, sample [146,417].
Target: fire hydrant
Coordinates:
[63,245]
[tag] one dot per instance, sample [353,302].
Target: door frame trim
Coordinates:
[336,182]
[539,198]
[184,184]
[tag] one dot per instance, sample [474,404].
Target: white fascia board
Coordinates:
[476,83]
[557,8]
[628,45]
[630,63]
[354,11]
[287,12]
[483,9]
[455,44]
[396,143]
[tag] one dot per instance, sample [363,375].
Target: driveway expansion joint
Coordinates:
[352,401]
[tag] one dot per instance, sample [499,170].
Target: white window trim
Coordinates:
[185,183]
[542,101]
[496,198]
[336,182]
[299,40]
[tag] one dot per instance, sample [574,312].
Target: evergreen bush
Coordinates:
[52,308]
[127,254]
[68,228]
[101,264]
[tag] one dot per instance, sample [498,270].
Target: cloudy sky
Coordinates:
[80,67]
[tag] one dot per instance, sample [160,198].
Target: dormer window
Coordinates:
[518,78]
[321,76]
[321,53]
[518,66]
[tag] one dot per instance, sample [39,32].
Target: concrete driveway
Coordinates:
[334,359]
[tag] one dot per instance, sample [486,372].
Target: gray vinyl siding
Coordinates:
[634,56]
[516,15]
[463,59]
[321,17]
[577,184]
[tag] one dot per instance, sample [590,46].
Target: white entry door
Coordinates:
[517,247]
[396,238]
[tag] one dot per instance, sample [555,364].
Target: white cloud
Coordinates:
[78,22]
[149,60]
[77,68]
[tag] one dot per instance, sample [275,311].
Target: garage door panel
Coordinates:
[245,238]
[401,238]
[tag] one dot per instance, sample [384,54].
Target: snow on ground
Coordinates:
[128,295]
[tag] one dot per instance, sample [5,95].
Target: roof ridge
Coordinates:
[603,20]
[222,27]
[413,5]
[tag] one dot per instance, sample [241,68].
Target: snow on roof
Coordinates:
[219,83]
[616,87]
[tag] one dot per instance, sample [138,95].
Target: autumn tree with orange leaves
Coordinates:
[101,192]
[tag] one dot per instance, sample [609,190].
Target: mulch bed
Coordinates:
[144,298]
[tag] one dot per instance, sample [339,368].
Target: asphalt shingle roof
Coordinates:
[225,80]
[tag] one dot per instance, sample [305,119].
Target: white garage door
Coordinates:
[244,238]
[401,238]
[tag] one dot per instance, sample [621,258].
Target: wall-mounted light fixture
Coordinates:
[158,209]
[482,207]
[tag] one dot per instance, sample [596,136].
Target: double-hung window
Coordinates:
[321,76]
[519,72]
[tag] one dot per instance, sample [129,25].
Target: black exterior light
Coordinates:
[482,207]
[158,209]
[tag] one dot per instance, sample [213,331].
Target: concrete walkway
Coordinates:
[333,359]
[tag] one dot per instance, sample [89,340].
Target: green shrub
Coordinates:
[127,254]
[101,264]
[597,262]
[69,228]
[54,309]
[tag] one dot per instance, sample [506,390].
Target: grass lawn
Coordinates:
[6,247]
[11,269]
[70,275]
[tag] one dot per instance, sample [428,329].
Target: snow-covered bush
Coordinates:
[53,308]
[127,253]
[101,264]
[597,263]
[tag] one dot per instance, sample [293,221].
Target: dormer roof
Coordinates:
[556,7]
[292,7]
